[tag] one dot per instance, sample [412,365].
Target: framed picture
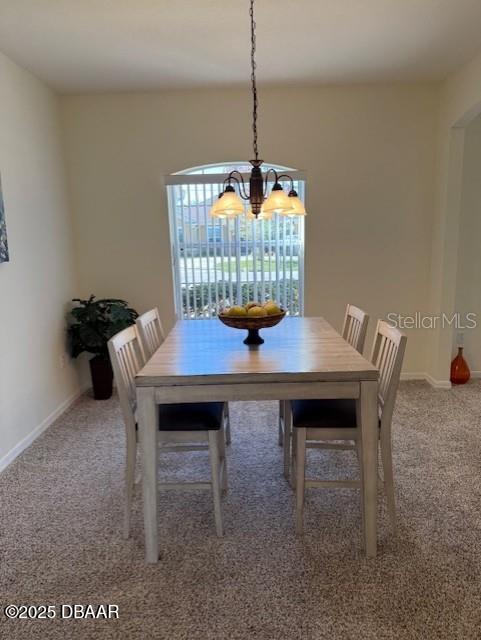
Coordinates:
[3,230]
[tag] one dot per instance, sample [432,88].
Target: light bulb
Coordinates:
[263,214]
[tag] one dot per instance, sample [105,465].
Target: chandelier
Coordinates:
[229,204]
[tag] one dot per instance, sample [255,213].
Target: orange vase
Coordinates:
[460,372]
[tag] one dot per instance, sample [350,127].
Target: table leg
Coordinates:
[147,417]
[369,439]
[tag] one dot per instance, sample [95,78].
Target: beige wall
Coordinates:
[369,153]
[39,279]
[468,277]
[460,102]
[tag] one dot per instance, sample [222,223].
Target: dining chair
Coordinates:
[354,331]
[182,427]
[152,335]
[334,424]
[354,328]
[150,331]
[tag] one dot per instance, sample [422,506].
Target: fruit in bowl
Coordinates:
[237,311]
[256,312]
[272,308]
[253,316]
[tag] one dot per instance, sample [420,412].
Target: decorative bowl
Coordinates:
[252,324]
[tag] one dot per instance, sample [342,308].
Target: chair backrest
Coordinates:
[127,358]
[150,331]
[387,356]
[355,327]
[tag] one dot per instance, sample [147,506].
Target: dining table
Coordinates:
[301,358]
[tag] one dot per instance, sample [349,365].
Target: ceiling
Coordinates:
[122,45]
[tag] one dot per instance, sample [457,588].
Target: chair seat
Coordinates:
[195,416]
[324,414]
[191,416]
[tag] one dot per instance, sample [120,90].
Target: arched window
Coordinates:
[217,263]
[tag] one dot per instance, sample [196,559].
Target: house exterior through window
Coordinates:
[217,263]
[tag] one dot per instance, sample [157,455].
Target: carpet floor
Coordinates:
[61,542]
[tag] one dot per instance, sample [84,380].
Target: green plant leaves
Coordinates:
[93,322]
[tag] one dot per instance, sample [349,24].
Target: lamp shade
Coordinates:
[277,202]
[229,205]
[213,209]
[297,206]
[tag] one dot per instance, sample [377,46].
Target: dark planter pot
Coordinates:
[102,377]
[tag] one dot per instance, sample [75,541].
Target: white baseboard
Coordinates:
[413,376]
[9,457]
[436,384]
[475,374]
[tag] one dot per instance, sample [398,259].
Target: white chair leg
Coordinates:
[361,476]
[293,459]
[386,456]
[138,467]
[131,455]
[282,421]
[214,467]
[227,423]
[223,461]
[287,437]
[300,436]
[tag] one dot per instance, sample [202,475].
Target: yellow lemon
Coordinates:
[237,311]
[249,305]
[272,308]
[257,312]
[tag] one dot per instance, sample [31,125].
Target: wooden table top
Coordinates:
[296,350]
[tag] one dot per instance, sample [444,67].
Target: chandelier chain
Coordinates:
[277,201]
[253,80]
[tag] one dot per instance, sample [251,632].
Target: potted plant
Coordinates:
[93,323]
